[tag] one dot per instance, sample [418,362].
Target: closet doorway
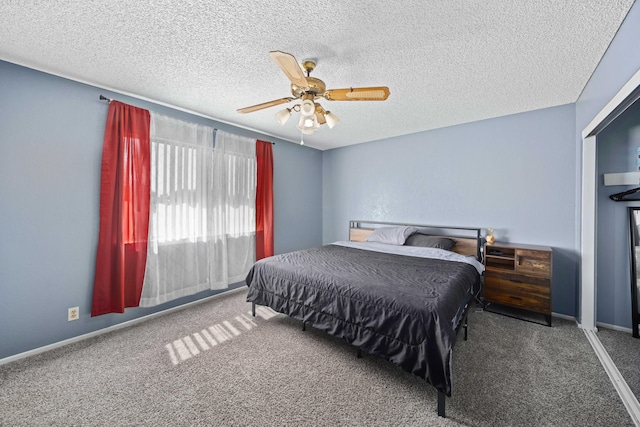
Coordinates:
[629,93]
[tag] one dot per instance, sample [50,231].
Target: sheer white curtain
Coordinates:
[202,214]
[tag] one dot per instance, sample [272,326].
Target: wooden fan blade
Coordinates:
[290,67]
[376,93]
[264,105]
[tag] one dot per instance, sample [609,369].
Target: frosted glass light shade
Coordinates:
[283,115]
[307,108]
[308,125]
[331,119]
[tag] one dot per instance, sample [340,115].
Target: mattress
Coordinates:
[401,307]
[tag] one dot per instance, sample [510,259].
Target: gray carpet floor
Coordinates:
[213,364]
[624,350]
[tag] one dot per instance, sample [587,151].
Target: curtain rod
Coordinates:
[104,98]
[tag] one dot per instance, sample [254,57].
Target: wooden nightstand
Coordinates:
[519,276]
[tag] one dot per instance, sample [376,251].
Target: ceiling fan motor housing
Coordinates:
[316,87]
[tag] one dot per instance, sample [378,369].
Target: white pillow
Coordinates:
[391,235]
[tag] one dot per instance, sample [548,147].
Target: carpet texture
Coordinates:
[624,350]
[214,364]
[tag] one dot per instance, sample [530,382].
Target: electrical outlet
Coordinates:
[74,313]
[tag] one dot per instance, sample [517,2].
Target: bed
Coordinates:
[398,291]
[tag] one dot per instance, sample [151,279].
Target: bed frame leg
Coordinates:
[304,326]
[441,404]
[465,325]
[253,309]
[359,354]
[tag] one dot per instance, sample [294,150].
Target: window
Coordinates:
[202,213]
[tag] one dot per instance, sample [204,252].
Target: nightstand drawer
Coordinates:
[530,293]
[531,303]
[516,281]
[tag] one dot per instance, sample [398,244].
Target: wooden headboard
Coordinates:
[468,239]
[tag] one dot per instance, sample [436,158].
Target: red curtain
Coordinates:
[124,210]
[264,200]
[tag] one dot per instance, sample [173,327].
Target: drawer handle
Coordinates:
[515,281]
[512,297]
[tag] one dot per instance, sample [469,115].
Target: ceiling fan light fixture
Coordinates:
[307,108]
[308,125]
[331,119]
[306,90]
[283,115]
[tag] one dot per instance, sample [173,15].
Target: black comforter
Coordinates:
[401,308]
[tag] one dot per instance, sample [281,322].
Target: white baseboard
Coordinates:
[614,327]
[564,316]
[122,325]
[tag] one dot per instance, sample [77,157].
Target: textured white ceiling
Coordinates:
[445,62]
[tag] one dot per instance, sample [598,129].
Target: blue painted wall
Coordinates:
[51,132]
[297,198]
[518,174]
[618,65]
[515,174]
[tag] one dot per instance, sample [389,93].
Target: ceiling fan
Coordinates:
[308,89]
